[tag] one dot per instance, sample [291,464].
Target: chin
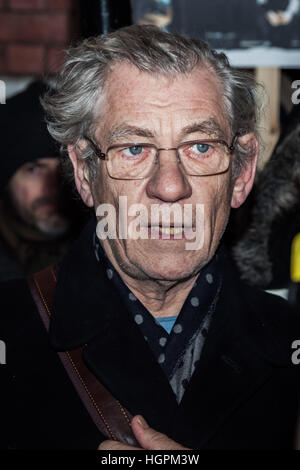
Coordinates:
[170,275]
[142,262]
[169,268]
[53,226]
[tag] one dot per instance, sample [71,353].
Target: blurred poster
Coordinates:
[252,33]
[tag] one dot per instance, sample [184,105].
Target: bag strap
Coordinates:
[111,418]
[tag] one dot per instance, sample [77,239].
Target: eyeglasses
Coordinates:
[134,161]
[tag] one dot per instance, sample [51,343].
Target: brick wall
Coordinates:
[33,34]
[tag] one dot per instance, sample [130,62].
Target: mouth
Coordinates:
[170,232]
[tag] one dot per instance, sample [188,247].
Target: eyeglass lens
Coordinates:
[137,160]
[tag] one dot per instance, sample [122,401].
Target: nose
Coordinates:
[168,182]
[52,179]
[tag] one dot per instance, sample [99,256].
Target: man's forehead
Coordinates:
[134,99]
[129,81]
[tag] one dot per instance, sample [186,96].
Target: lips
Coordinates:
[168,232]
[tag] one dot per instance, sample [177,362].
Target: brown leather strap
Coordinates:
[111,418]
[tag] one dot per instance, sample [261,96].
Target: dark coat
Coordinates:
[242,395]
[9,267]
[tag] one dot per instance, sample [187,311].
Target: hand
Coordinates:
[158,20]
[147,437]
[277,18]
[283,18]
[273,18]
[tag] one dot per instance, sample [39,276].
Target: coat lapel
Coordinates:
[227,375]
[124,363]
[239,355]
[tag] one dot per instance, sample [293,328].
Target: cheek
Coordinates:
[215,195]
[222,203]
[223,192]
[107,190]
[21,192]
[33,190]
[101,190]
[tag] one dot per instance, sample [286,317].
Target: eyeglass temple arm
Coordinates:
[233,142]
[95,147]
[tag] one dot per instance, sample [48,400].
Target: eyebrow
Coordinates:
[125,130]
[34,163]
[209,127]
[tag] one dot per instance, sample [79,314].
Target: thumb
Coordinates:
[148,438]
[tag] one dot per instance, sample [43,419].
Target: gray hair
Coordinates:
[71,106]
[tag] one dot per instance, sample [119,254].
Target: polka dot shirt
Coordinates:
[178,349]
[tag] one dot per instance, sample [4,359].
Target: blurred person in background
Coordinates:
[36,224]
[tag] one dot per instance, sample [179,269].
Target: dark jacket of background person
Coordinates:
[245,371]
[263,255]
[25,138]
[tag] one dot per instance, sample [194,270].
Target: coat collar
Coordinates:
[81,294]
[247,338]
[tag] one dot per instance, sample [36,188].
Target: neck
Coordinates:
[162,299]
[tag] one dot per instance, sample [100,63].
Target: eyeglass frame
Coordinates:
[103,156]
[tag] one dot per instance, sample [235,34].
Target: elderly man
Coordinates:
[146,302]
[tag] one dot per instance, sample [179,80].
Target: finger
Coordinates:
[115,445]
[151,439]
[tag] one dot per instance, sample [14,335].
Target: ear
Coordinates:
[244,182]
[81,176]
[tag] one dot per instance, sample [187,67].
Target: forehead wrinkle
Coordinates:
[209,126]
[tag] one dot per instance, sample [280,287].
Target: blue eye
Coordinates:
[202,148]
[136,150]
